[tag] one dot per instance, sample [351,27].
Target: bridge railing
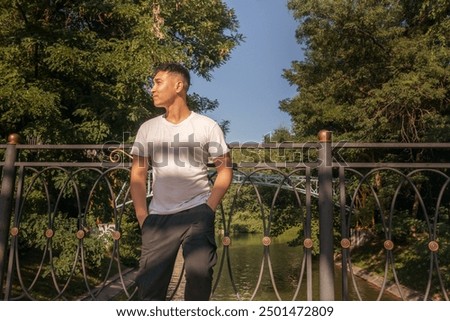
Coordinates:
[68,232]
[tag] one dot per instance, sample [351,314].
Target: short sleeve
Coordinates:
[140,145]
[217,145]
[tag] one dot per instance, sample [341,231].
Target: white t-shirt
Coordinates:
[179,155]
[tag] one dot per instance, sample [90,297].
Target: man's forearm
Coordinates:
[138,192]
[138,188]
[216,196]
[220,187]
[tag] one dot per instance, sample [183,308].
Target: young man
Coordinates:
[182,209]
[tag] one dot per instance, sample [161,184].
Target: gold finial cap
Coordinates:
[324,136]
[13,139]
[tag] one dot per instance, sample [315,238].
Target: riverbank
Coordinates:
[401,292]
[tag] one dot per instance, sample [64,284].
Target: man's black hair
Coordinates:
[175,68]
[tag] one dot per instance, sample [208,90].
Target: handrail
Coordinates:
[349,180]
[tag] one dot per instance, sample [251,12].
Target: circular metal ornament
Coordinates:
[433,246]
[14,231]
[388,245]
[345,243]
[308,243]
[80,234]
[226,241]
[116,235]
[49,233]
[266,241]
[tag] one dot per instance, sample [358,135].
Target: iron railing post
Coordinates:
[345,237]
[6,195]
[326,259]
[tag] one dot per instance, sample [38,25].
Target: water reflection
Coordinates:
[246,255]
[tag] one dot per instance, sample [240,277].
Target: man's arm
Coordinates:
[138,187]
[223,180]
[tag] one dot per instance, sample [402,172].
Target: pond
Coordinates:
[246,254]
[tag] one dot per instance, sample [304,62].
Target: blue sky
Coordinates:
[250,85]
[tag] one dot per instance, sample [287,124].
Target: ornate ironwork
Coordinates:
[118,154]
[267,183]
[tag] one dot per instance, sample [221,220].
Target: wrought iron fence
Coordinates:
[68,230]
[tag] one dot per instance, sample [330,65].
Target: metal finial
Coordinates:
[13,139]
[324,136]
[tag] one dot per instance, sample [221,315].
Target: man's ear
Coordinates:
[179,86]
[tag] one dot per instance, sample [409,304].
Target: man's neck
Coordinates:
[175,114]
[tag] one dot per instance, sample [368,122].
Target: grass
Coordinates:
[37,283]
[411,263]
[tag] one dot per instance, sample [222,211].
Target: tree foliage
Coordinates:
[75,71]
[373,70]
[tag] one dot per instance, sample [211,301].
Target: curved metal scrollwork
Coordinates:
[390,216]
[81,213]
[117,155]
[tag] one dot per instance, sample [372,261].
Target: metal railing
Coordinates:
[78,196]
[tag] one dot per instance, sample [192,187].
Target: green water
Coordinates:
[246,254]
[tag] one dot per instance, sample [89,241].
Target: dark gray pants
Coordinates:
[162,236]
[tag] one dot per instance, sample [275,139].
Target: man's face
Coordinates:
[165,88]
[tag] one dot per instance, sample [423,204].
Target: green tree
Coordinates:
[75,71]
[373,70]
[279,135]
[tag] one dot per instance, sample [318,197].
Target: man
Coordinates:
[182,209]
